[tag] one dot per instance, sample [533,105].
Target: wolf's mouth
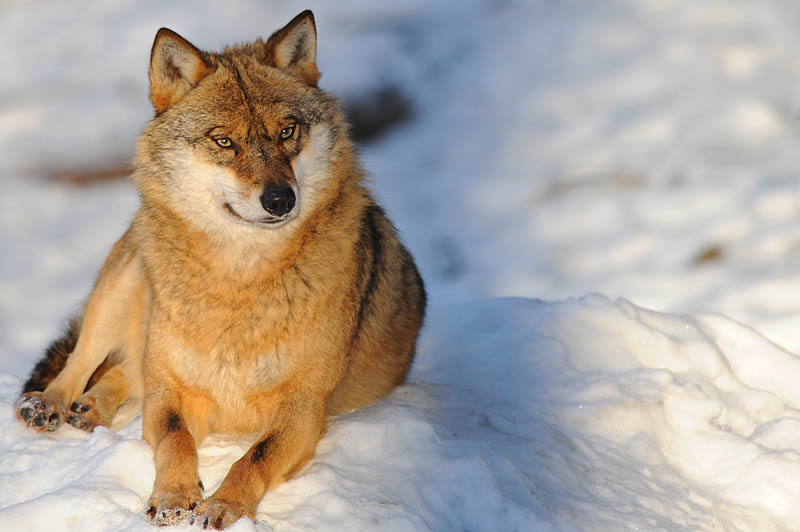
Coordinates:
[229,210]
[239,217]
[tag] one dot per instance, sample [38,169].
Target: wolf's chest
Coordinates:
[236,366]
[238,389]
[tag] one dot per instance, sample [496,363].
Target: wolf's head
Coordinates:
[243,140]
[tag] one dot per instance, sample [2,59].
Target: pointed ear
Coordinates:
[294,48]
[175,67]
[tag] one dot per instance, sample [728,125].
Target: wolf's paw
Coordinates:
[40,410]
[218,514]
[170,507]
[83,415]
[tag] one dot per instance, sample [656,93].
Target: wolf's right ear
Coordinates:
[175,68]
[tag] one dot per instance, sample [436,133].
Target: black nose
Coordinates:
[278,200]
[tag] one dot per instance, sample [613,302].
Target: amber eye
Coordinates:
[287,132]
[224,142]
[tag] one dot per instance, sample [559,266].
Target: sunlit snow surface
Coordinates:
[586,414]
[643,149]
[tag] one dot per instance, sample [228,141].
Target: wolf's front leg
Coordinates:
[177,488]
[271,460]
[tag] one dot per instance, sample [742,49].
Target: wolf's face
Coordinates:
[242,139]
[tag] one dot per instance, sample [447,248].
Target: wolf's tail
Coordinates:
[55,358]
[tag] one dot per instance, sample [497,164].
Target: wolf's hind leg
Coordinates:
[116,309]
[98,405]
[40,411]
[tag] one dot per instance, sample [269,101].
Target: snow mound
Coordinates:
[584,414]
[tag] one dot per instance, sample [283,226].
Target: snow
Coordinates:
[641,149]
[582,414]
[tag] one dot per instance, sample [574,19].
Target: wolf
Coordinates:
[259,289]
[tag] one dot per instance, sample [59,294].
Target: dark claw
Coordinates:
[77,422]
[205,523]
[53,422]
[164,514]
[193,505]
[26,413]
[151,511]
[78,408]
[178,512]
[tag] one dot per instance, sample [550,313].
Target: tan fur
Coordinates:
[112,321]
[228,319]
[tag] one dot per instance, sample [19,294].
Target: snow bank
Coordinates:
[586,414]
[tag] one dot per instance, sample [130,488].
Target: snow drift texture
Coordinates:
[644,149]
[586,414]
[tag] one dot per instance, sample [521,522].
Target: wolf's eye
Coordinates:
[287,132]
[224,142]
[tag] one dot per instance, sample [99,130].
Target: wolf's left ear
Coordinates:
[175,68]
[294,48]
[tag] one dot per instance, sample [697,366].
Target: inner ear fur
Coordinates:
[294,48]
[176,66]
